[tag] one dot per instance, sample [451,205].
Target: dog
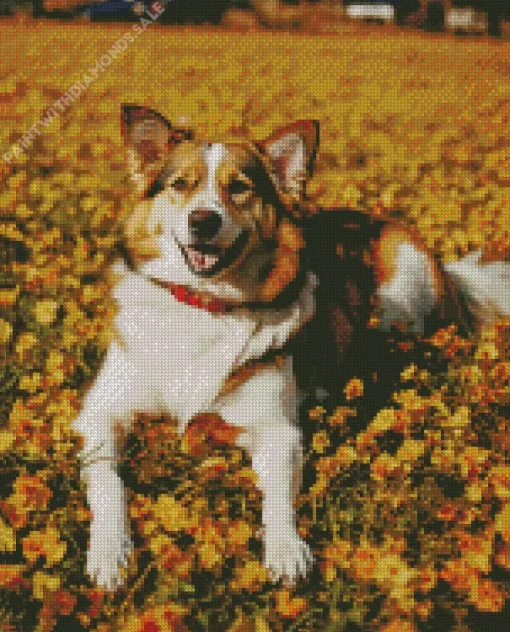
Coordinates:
[221,282]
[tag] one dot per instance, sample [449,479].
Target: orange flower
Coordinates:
[163,618]
[289,608]
[339,553]
[427,579]
[45,543]
[58,603]
[339,415]
[477,550]
[11,575]
[398,625]
[353,389]
[424,609]
[459,574]
[384,466]
[316,413]
[326,466]
[207,432]
[213,467]
[499,476]
[485,596]
[449,512]
[502,557]
[170,557]
[245,477]
[31,492]
[363,561]
[345,456]
[63,601]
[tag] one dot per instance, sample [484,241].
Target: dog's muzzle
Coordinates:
[208,259]
[204,224]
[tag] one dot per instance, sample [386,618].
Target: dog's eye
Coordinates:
[181,184]
[239,187]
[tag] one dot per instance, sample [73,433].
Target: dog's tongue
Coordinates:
[200,260]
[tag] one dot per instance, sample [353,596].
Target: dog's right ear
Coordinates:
[148,137]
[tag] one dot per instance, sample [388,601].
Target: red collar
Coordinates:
[215,305]
[186,294]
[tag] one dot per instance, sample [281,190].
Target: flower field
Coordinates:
[409,519]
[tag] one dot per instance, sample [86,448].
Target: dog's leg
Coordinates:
[109,400]
[277,459]
[110,540]
[266,406]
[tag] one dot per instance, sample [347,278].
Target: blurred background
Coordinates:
[480,17]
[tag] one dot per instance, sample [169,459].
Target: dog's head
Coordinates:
[208,208]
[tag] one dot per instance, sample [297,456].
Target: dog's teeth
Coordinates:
[200,260]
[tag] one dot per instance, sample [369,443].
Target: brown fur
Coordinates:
[258,208]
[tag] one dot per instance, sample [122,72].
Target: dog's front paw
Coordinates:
[286,556]
[107,559]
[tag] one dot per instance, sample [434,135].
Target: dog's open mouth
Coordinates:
[209,259]
[202,258]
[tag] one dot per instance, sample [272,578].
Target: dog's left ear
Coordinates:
[292,150]
[148,137]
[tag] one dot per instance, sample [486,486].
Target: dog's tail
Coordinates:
[486,285]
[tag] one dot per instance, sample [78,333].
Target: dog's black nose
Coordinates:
[204,224]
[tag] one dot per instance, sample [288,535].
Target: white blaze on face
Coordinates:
[213,154]
[173,215]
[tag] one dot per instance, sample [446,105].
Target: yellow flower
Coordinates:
[320,441]
[171,514]
[11,231]
[250,576]
[7,439]
[410,450]
[502,523]
[5,331]
[409,373]
[43,582]
[46,311]
[30,383]
[384,466]
[7,537]
[383,421]
[239,533]
[410,400]
[8,296]
[25,342]
[460,419]
[391,569]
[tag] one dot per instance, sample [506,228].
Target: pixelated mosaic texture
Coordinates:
[409,518]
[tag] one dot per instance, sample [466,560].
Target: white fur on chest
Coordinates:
[178,357]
